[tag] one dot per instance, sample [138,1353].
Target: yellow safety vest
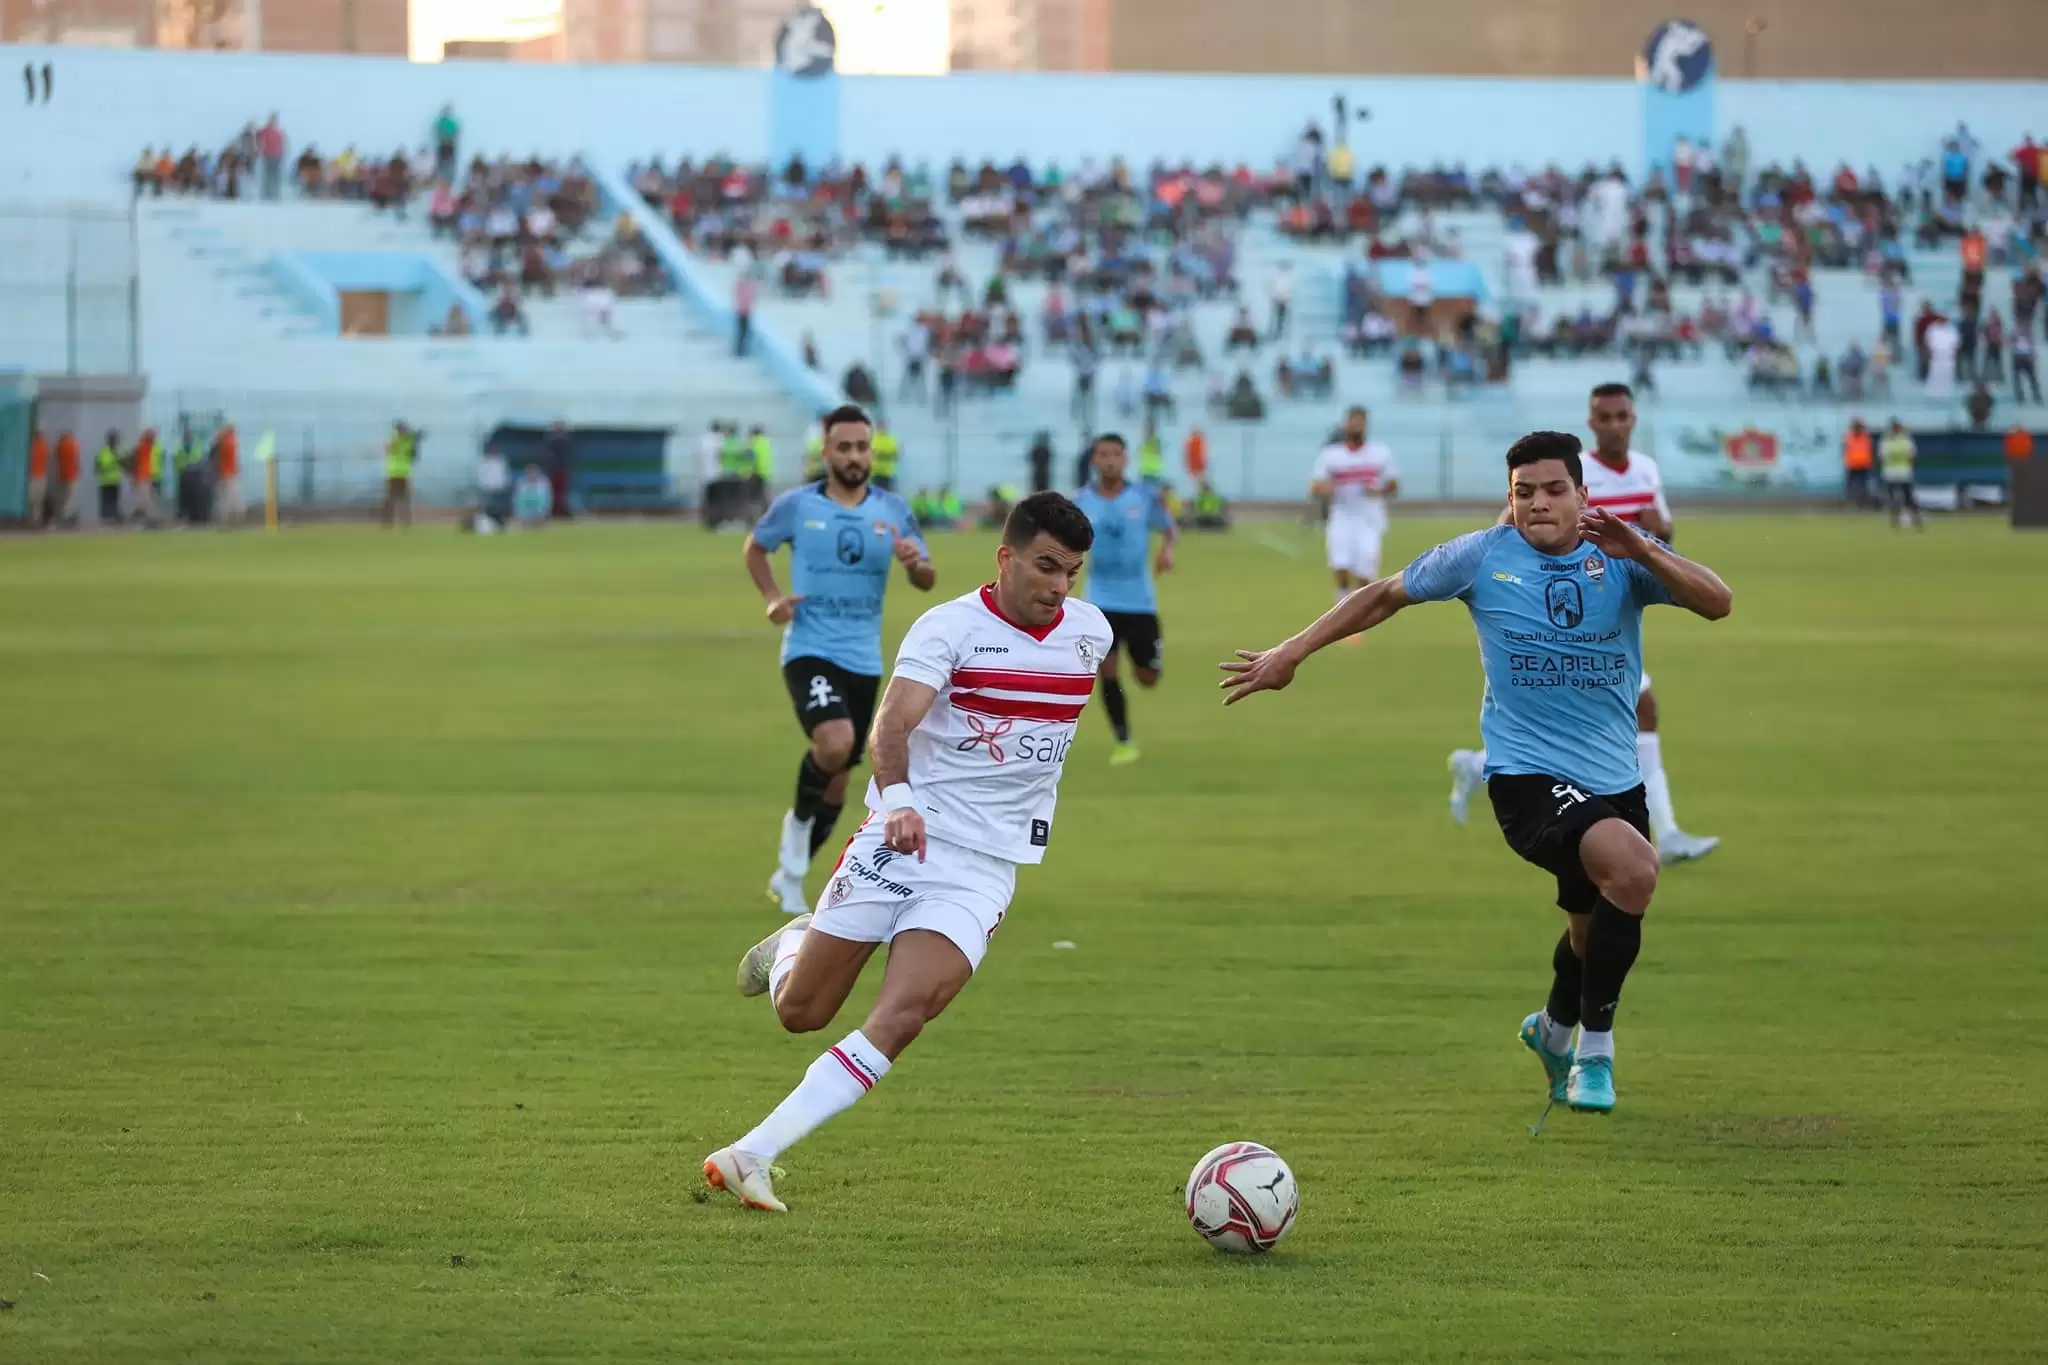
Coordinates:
[107,465]
[886,448]
[398,457]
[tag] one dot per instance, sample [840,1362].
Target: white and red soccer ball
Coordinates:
[1242,1198]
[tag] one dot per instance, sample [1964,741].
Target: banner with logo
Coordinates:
[1773,456]
[803,91]
[1677,75]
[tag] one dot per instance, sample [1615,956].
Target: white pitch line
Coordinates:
[1277,545]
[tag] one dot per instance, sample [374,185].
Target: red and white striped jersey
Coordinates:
[1626,491]
[985,761]
[1357,479]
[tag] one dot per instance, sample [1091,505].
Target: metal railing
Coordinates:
[69,290]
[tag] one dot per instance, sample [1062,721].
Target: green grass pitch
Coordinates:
[371,903]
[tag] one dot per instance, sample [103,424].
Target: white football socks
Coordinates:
[1656,789]
[1593,1044]
[1556,1037]
[785,959]
[838,1078]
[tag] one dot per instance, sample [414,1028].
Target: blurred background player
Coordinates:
[973,736]
[1626,483]
[1561,766]
[1357,478]
[1125,517]
[843,536]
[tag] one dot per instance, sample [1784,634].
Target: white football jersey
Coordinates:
[1357,480]
[985,761]
[1625,492]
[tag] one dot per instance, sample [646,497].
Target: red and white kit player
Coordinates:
[1626,483]
[968,748]
[1359,477]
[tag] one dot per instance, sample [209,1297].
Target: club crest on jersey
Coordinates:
[1596,568]
[1086,649]
[881,528]
[841,889]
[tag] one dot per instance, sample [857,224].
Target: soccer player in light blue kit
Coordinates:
[844,537]
[1125,517]
[1557,597]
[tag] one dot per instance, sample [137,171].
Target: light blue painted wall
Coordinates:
[1234,118]
[421,291]
[110,103]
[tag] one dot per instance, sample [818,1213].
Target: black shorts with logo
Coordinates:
[822,691]
[1544,818]
[1138,633]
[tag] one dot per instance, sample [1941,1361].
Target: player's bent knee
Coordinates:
[1621,863]
[1631,884]
[802,1014]
[832,745]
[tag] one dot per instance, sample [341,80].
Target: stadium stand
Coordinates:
[980,304]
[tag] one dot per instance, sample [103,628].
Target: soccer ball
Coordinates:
[1242,1198]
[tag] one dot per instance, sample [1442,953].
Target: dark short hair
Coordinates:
[1053,513]
[1549,445]
[846,412]
[1121,444]
[1613,391]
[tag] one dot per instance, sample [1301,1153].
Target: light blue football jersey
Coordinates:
[840,562]
[1120,562]
[1561,639]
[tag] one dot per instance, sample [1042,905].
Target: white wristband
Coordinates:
[899,796]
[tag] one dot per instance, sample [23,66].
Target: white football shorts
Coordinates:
[1355,546]
[876,893]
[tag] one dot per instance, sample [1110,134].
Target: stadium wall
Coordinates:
[108,105]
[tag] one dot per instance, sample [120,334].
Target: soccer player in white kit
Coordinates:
[1359,477]
[968,748]
[1626,483]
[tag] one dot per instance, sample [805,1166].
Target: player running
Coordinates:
[1125,517]
[843,537]
[1557,597]
[1626,483]
[1358,478]
[974,730]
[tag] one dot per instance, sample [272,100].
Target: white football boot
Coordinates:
[760,959]
[1466,774]
[743,1177]
[1679,847]
[792,860]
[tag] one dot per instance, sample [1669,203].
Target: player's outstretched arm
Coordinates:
[904,706]
[780,607]
[1689,584]
[916,562]
[1269,670]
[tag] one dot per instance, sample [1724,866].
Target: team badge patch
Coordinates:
[1086,650]
[841,888]
[1596,568]
[881,528]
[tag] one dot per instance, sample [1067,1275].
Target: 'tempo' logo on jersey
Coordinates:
[1564,602]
